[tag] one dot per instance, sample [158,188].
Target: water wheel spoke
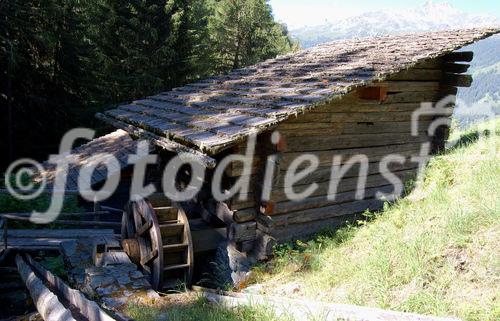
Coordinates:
[143,229]
[159,230]
[150,257]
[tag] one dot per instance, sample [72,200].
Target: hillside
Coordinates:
[485,70]
[433,252]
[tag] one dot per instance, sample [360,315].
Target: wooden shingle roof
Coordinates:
[211,115]
[118,144]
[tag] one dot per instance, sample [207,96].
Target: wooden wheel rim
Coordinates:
[190,254]
[137,216]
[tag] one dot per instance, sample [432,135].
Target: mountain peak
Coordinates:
[428,16]
[431,4]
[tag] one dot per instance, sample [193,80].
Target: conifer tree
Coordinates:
[244,32]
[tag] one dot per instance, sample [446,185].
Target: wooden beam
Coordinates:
[64,222]
[60,233]
[320,213]
[244,215]
[42,285]
[465,56]
[242,232]
[456,68]
[165,143]
[46,302]
[301,309]
[458,80]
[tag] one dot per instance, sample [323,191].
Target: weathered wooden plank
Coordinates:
[352,141]
[81,306]
[322,201]
[455,68]
[304,231]
[353,117]
[345,185]
[415,97]
[411,86]
[66,222]
[382,128]
[320,213]
[458,80]
[310,310]
[373,153]
[418,75]
[322,174]
[359,107]
[60,233]
[183,151]
[46,302]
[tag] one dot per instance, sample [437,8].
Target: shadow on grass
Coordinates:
[467,139]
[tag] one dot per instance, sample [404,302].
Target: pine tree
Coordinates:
[244,32]
[144,46]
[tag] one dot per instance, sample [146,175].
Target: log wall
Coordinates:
[374,123]
[373,126]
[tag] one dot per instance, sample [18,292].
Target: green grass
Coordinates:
[200,309]
[433,252]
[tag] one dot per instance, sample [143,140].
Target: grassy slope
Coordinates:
[197,308]
[434,252]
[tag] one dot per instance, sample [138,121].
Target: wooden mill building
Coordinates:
[341,98]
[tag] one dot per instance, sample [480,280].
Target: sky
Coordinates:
[297,13]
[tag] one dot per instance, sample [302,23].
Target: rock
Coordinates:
[229,266]
[140,284]
[151,294]
[114,303]
[239,278]
[94,270]
[290,288]
[136,275]
[68,248]
[124,280]
[104,291]
[100,281]
[253,289]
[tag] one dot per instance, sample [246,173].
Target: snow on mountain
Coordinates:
[430,16]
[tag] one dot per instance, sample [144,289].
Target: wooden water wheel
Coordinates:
[157,237]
